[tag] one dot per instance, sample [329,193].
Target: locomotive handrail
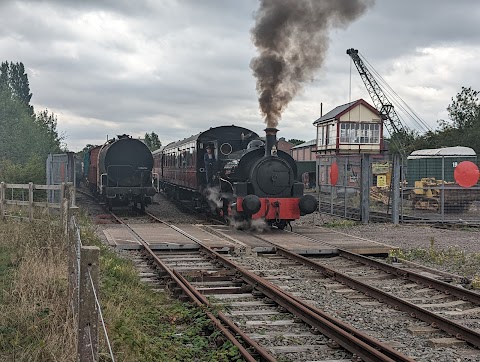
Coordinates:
[101,182]
[155,177]
[228,182]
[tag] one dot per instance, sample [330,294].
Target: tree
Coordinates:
[47,124]
[14,78]
[25,138]
[296,142]
[463,128]
[152,141]
[17,133]
[464,110]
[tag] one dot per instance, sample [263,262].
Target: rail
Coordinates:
[348,337]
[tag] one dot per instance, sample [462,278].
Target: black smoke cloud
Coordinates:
[292,39]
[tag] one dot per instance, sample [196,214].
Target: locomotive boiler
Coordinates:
[121,172]
[264,186]
[252,179]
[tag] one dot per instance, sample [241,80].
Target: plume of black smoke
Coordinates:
[292,39]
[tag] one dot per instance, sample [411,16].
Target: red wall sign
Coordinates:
[334,173]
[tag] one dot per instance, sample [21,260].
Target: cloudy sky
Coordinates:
[177,67]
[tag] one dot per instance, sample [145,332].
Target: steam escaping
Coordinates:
[292,39]
[214,197]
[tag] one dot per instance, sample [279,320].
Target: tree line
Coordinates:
[461,129]
[26,137]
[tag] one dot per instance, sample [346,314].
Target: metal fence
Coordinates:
[375,188]
[60,168]
[345,183]
[441,189]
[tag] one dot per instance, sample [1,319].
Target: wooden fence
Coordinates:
[8,196]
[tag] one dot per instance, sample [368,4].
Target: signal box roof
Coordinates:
[337,112]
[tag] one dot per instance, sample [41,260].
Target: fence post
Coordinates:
[442,196]
[73,265]
[30,201]
[65,215]
[365,188]
[60,201]
[87,343]
[71,193]
[396,189]
[2,200]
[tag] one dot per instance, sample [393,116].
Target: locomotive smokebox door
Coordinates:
[273,177]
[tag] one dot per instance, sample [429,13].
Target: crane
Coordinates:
[387,112]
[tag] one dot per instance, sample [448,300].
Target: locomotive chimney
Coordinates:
[271,141]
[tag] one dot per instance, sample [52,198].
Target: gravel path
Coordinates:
[378,320]
[404,236]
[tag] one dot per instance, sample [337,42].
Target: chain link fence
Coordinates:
[441,188]
[343,191]
[430,188]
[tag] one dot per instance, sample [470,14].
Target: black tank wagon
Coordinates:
[124,172]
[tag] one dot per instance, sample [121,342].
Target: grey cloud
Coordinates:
[197,54]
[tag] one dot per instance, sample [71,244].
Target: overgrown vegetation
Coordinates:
[36,323]
[454,260]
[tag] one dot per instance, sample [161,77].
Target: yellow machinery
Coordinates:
[427,193]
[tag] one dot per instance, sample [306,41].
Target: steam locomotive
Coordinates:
[120,171]
[252,179]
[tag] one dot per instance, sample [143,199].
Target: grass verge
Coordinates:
[35,321]
[453,260]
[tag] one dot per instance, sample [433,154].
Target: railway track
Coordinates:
[285,327]
[418,293]
[270,321]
